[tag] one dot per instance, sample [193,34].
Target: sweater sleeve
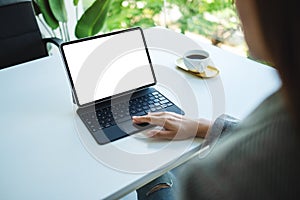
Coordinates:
[202,182]
[221,128]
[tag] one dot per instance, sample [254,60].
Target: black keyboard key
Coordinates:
[164,105]
[152,109]
[158,108]
[140,113]
[120,112]
[170,104]
[164,101]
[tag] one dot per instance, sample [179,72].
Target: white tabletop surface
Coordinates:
[46,152]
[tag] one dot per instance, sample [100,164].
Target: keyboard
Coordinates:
[115,113]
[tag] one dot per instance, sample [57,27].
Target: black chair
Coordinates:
[20,36]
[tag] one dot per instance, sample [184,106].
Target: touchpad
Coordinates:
[130,127]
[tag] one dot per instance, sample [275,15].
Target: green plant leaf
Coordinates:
[75,2]
[92,20]
[59,10]
[47,14]
[86,4]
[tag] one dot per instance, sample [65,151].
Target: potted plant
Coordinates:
[53,16]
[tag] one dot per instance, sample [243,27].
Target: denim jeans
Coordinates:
[164,187]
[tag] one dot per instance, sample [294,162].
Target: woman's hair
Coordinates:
[279,21]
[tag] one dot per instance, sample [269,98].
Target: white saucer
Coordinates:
[209,72]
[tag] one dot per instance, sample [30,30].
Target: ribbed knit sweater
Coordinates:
[258,158]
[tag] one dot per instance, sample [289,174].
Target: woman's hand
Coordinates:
[175,126]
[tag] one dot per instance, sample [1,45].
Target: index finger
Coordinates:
[155,120]
[141,119]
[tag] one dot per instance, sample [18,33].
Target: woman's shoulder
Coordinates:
[270,110]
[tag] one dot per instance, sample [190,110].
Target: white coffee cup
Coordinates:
[196,60]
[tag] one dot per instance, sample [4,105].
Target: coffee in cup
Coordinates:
[196,60]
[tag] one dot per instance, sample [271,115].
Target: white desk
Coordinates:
[47,154]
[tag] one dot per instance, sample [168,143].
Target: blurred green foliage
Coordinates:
[210,18]
[129,13]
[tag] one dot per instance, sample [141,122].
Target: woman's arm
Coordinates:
[175,126]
